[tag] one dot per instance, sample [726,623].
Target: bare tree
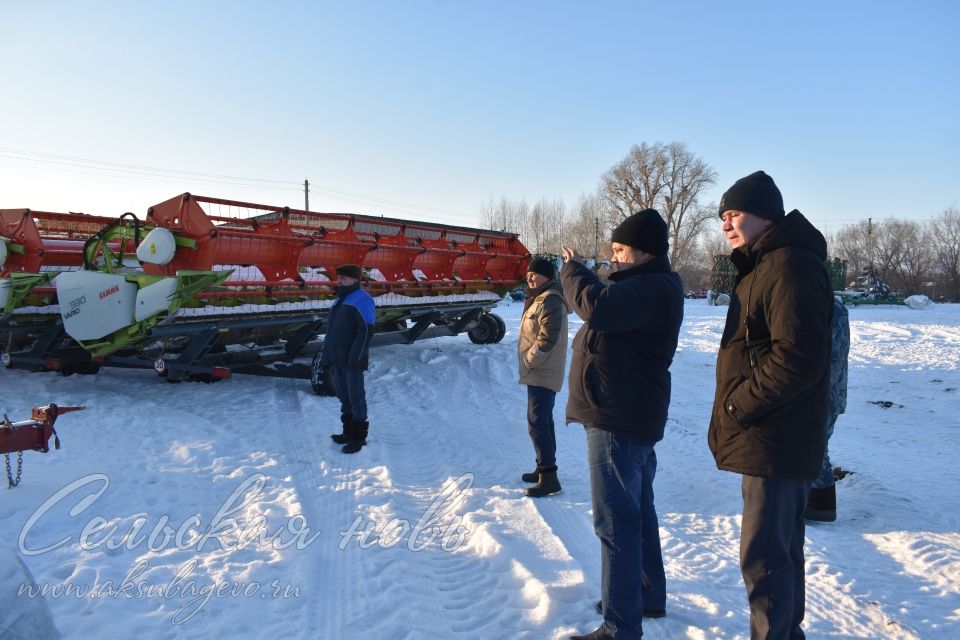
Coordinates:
[887,252]
[504,215]
[584,231]
[544,226]
[696,272]
[914,269]
[945,243]
[669,178]
[852,244]
[713,243]
[901,255]
[635,182]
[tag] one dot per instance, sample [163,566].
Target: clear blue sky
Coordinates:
[853,107]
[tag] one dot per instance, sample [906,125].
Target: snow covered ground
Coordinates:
[224,510]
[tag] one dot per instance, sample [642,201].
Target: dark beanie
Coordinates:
[644,230]
[544,267]
[756,194]
[350,270]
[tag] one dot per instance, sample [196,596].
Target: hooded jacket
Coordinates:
[542,344]
[619,374]
[773,375]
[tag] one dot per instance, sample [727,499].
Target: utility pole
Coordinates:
[306,195]
[596,239]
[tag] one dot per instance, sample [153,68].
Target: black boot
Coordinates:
[546,485]
[647,613]
[358,436]
[597,634]
[343,438]
[533,477]
[822,505]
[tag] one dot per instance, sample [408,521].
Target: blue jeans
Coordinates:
[540,425]
[348,383]
[622,469]
[771,555]
[825,479]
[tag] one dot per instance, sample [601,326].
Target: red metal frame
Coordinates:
[281,241]
[49,239]
[417,258]
[33,434]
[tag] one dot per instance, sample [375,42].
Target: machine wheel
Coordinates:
[81,368]
[205,378]
[486,330]
[501,327]
[161,369]
[321,377]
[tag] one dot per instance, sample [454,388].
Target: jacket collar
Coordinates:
[660,264]
[343,292]
[533,294]
[793,231]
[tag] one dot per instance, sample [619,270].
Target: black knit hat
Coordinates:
[351,271]
[644,230]
[756,194]
[544,267]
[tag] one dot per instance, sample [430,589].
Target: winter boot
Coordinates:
[358,436]
[546,485]
[343,438]
[533,477]
[647,613]
[598,634]
[822,505]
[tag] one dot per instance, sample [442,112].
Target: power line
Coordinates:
[74,161]
[143,176]
[158,173]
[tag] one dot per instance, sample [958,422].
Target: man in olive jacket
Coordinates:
[542,357]
[620,392]
[772,392]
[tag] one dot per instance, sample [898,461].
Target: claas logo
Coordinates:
[109,292]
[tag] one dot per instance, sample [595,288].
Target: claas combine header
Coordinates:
[202,287]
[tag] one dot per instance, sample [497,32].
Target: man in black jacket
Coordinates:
[772,392]
[620,392]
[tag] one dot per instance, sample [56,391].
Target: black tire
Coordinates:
[205,378]
[501,327]
[321,377]
[486,330]
[81,368]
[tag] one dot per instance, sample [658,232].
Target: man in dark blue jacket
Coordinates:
[620,392]
[346,347]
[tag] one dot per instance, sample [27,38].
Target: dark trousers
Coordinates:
[771,555]
[825,479]
[622,469]
[540,426]
[348,383]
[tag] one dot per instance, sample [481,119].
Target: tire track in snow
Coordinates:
[326,484]
[450,439]
[422,465]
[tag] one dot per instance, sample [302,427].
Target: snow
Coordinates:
[224,510]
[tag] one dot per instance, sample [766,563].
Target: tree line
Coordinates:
[912,257]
